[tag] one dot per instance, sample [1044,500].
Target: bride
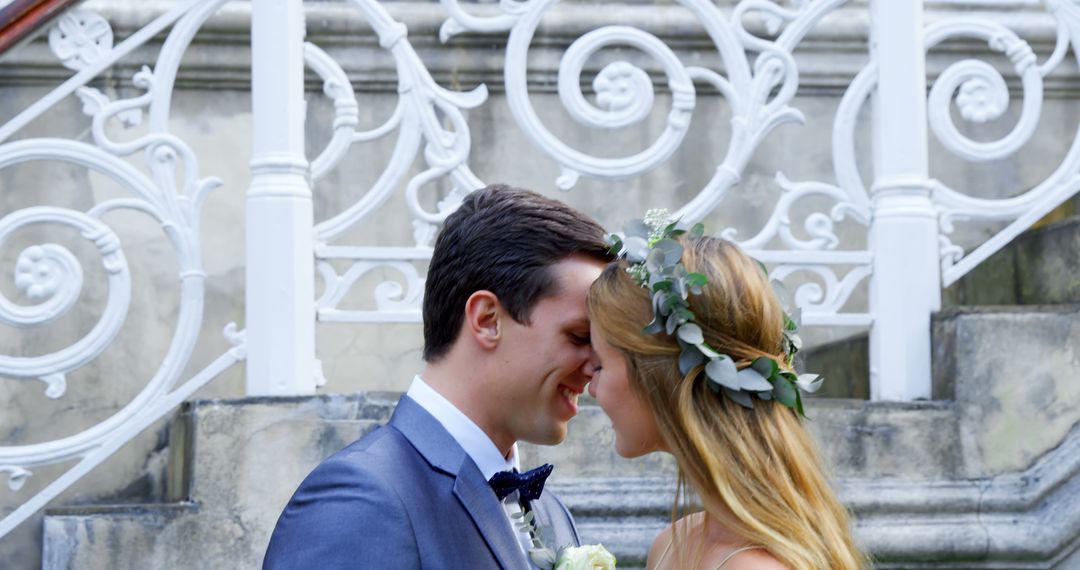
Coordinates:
[709,380]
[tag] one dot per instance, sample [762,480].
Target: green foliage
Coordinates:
[652,247]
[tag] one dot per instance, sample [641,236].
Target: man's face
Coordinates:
[546,364]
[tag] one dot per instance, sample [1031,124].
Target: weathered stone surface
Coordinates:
[1038,268]
[900,467]
[1014,373]
[242,461]
[845,364]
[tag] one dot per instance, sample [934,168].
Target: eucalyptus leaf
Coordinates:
[637,228]
[765,366]
[672,323]
[789,325]
[660,303]
[723,371]
[614,243]
[660,284]
[751,379]
[742,398]
[654,262]
[654,327]
[696,279]
[681,288]
[698,230]
[691,333]
[795,340]
[671,250]
[765,395]
[810,383]
[784,392]
[796,316]
[689,358]
[670,302]
[637,249]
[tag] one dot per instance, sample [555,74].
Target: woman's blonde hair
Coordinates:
[757,471]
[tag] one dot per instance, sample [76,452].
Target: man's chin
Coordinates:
[550,437]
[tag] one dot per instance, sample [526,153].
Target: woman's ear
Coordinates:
[482,318]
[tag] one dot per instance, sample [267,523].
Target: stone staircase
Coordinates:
[985,476]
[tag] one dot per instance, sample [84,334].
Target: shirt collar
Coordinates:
[469,436]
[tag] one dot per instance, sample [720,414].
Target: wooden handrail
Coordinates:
[21,18]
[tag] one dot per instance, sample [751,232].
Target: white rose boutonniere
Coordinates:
[588,557]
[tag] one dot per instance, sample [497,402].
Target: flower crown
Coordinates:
[655,258]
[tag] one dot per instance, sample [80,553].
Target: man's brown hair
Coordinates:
[504,240]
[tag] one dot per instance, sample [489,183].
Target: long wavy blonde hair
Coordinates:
[757,472]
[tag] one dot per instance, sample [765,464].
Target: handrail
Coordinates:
[21,18]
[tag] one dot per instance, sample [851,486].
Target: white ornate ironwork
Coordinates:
[979,77]
[170,191]
[81,38]
[759,80]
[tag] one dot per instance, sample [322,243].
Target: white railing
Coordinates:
[907,215]
[168,189]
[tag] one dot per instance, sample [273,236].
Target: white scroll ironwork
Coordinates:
[759,83]
[982,96]
[170,191]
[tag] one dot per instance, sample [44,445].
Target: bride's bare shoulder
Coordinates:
[659,546]
[662,544]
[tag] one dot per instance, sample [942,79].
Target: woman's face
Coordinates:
[635,426]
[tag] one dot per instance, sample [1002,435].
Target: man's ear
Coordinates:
[482,318]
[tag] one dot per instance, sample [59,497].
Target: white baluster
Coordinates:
[280,224]
[906,284]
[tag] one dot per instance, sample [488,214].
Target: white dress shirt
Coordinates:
[476,444]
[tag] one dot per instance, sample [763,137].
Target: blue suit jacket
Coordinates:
[404,496]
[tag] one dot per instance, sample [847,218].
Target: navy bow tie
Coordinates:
[529,484]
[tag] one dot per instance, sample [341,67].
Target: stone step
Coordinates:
[1040,267]
[244,458]
[845,363]
[237,463]
[961,480]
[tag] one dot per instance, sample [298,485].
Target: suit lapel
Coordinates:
[443,454]
[479,500]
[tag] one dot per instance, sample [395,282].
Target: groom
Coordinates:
[506,342]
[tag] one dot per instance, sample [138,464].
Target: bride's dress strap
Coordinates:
[663,554]
[733,553]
